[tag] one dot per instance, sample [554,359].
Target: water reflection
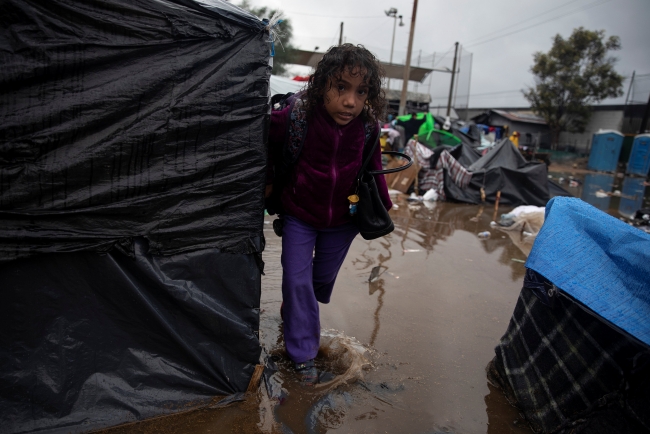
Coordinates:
[425,226]
[631,196]
[500,420]
[614,194]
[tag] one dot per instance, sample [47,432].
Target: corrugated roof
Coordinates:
[521,116]
[394,94]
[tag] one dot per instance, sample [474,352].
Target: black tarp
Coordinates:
[132,168]
[504,169]
[90,341]
[130,118]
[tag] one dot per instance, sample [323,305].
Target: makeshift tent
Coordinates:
[467,132]
[132,167]
[435,166]
[423,124]
[576,355]
[503,169]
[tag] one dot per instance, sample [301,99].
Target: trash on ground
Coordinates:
[431,195]
[374,274]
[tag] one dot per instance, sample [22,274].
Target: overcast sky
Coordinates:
[500,61]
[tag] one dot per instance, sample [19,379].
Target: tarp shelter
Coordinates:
[576,355]
[132,168]
[424,125]
[503,169]
[282,85]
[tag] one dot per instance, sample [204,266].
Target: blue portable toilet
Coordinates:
[605,149]
[639,162]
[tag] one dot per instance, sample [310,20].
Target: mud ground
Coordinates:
[430,322]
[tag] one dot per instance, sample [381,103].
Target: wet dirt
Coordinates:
[420,334]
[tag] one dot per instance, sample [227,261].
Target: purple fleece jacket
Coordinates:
[325,174]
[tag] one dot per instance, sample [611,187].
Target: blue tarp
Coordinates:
[597,260]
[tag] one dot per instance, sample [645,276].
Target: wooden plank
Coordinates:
[254,384]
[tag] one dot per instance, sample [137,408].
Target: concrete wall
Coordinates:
[600,119]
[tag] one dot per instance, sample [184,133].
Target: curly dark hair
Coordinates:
[334,63]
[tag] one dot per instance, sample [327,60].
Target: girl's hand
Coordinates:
[268,190]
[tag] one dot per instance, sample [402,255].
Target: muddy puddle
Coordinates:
[408,350]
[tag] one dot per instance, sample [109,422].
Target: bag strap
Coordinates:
[369,155]
[296,131]
[383,171]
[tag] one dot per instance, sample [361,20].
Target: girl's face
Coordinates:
[346,96]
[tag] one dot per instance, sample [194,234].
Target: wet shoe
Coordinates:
[307,373]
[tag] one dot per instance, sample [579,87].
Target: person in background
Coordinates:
[514,138]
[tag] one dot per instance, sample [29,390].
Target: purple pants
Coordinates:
[311,260]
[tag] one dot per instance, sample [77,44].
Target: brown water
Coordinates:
[423,331]
[430,323]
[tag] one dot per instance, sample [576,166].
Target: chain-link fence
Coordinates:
[436,85]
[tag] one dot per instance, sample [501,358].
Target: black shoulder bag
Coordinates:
[371,216]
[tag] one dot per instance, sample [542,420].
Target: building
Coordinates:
[532,128]
[623,118]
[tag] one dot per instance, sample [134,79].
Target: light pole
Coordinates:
[407,67]
[392,12]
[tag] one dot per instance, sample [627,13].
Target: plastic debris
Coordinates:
[374,274]
[484,234]
[431,195]
[601,193]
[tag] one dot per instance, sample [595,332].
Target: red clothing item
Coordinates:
[325,174]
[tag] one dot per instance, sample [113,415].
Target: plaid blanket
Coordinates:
[567,370]
[434,178]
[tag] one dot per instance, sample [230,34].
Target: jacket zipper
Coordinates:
[337,138]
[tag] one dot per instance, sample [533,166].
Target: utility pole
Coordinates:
[469,85]
[644,121]
[457,80]
[453,75]
[392,12]
[341,34]
[407,67]
[630,87]
[392,44]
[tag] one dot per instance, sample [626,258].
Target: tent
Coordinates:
[132,166]
[503,169]
[576,354]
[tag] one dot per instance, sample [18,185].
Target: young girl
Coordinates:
[341,97]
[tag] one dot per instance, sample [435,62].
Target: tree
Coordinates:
[574,75]
[284,49]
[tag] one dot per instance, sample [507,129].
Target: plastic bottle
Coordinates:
[485,234]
